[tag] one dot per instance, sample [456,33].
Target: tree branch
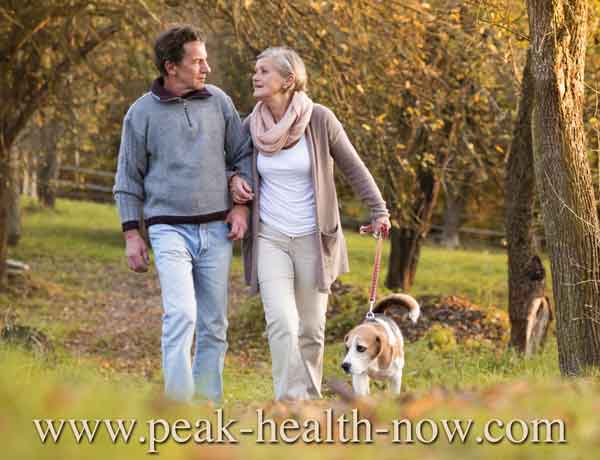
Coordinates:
[39,94]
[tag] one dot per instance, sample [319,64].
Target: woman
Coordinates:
[295,248]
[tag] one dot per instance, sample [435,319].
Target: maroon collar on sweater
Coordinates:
[164,95]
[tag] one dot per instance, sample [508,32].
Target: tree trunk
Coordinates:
[406,241]
[4,195]
[538,324]
[405,249]
[454,208]
[529,329]
[48,174]
[48,163]
[14,208]
[523,289]
[48,170]
[563,177]
[30,182]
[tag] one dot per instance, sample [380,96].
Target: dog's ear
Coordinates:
[377,345]
[384,354]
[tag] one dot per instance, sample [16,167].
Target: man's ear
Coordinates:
[170,67]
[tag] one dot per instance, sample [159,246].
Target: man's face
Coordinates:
[190,74]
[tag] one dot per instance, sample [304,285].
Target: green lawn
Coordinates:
[479,275]
[76,253]
[89,232]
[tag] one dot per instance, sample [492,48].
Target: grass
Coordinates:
[77,256]
[478,274]
[32,389]
[73,230]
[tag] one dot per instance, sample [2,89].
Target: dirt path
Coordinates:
[116,319]
[114,316]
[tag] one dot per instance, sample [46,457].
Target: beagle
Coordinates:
[375,348]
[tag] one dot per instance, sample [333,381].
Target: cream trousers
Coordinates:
[294,311]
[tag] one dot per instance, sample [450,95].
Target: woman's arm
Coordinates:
[354,169]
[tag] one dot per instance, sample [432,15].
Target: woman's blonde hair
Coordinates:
[287,62]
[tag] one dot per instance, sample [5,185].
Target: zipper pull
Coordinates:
[187,115]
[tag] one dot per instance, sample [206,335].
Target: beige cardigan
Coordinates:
[328,144]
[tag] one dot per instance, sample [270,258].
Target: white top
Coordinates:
[287,195]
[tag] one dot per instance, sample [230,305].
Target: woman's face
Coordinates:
[267,81]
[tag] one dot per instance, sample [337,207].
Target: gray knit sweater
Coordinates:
[176,155]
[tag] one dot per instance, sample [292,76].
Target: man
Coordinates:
[180,143]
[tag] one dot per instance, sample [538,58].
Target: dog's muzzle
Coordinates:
[346,366]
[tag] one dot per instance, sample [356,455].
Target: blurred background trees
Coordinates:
[63,63]
[425,91]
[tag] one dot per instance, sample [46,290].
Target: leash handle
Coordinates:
[375,275]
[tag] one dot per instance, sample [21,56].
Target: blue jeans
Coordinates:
[193,267]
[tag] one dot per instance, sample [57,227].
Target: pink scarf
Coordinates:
[270,137]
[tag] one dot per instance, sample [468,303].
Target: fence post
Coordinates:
[77,176]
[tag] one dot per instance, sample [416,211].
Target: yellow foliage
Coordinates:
[381,117]
[317,6]
[441,338]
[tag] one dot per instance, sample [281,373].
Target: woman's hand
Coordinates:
[241,192]
[382,225]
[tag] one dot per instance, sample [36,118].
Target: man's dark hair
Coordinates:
[169,45]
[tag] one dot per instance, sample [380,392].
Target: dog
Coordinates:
[375,348]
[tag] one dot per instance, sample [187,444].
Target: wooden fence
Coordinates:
[77,182]
[84,183]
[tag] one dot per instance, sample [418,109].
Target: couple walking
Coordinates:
[201,178]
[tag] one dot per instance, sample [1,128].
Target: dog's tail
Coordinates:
[399,300]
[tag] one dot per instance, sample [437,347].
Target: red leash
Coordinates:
[376,267]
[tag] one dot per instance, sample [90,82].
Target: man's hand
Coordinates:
[241,192]
[382,225]
[238,219]
[136,251]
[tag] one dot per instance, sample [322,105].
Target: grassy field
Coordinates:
[103,324]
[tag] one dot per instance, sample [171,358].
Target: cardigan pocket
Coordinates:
[330,245]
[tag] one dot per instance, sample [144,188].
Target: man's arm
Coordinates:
[129,194]
[128,190]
